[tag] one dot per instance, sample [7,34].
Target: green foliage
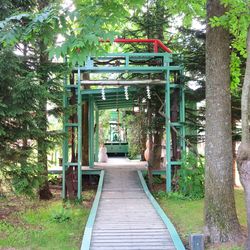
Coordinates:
[81,28]
[135,124]
[25,179]
[191,177]
[237,21]
[62,216]
[35,228]
[53,179]
[182,212]
[157,180]
[20,114]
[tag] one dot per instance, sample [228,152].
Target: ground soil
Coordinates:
[11,204]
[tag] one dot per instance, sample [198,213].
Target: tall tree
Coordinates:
[43,75]
[243,156]
[220,213]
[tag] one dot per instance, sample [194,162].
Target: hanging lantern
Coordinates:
[103,94]
[148,92]
[126,92]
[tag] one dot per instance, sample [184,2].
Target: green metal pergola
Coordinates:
[131,64]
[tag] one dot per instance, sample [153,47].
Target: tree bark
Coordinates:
[243,156]
[71,172]
[221,223]
[156,150]
[150,146]
[44,191]
[143,141]
[85,128]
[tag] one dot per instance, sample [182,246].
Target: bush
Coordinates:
[62,216]
[191,176]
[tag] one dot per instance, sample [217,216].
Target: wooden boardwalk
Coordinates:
[126,219]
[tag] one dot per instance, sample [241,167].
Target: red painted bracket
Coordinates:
[156,42]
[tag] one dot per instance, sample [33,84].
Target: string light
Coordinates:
[148,92]
[126,92]
[103,94]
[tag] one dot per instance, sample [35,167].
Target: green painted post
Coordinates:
[65,140]
[183,143]
[91,132]
[79,137]
[96,135]
[127,61]
[182,114]
[168,134]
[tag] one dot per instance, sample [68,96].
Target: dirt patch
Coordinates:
[159,187]
[11,206]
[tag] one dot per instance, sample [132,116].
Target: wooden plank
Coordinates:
[125,218]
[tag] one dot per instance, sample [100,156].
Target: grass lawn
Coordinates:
[188,215]
[43,224]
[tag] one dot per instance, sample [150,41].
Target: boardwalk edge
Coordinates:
[91,219]
[174,235]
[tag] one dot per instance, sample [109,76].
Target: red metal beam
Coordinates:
[157,43]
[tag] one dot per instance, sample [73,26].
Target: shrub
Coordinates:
[62,216]
[191,176]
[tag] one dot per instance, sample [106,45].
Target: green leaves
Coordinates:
[236,21]
[191,177]
[81,29]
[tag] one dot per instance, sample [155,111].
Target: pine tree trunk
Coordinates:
[221,222]
[243,156]
[44,191]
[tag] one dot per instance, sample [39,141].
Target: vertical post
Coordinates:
[96,135]
[168,134]
[126,61]
[91,131]
[65,140]
[155,46]
[79,137]
[182,116]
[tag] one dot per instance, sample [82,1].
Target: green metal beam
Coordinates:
[65,140]
[168,134]
[96,135]
[113,103]
[107,91]
[79,137]
[91,131]
[119,107]
[130,69]
[182,120]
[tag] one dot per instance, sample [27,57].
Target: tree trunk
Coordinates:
[156,159]
[143,142]
[234,161]
[44,191]
[85,128]
[243,157]
[150,147]
[71,180]
[221,222]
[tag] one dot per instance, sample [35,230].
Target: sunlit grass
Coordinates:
[56,225]
[188,216]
